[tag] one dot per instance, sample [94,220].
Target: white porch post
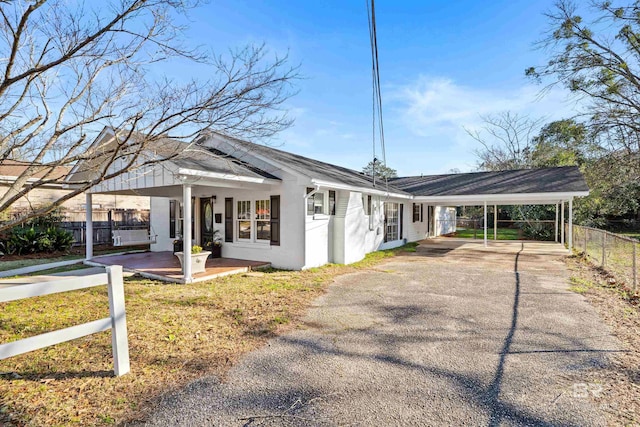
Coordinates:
[562,224]
[571,224]
[186,233]
[495,222]
[485,223]
[88,238]
[556,229]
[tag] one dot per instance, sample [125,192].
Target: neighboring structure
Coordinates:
[286,209]
[10,170]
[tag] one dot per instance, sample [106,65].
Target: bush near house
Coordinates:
[39,235]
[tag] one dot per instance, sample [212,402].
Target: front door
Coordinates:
[206,223]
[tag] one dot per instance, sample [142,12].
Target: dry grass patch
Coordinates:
[619,308]
[177,333]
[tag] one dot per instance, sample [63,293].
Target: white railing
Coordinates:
[116,321]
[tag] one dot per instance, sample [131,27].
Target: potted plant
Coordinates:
[215,245]
[198,259]
[216,248]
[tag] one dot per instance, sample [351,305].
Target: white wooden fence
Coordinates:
[116,321]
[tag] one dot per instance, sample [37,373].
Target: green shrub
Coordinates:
[28,240]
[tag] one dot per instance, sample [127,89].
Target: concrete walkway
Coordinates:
[454,334]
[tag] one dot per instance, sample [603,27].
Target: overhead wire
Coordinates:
[376,90]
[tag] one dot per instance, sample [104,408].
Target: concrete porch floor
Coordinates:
[166,267]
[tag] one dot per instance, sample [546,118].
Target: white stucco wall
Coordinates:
[445,220]
[416,230]
[288,255]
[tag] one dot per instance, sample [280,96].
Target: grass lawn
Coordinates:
[177,333]
[632,234]
[503,233]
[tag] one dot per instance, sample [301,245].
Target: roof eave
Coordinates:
[505,199]
[340,186]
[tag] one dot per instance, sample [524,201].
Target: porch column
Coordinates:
[562,224]
[88,237]
[495,222]
[571,224]
[485,223]
[186,233]
[556,229]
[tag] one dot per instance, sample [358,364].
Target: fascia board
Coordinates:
[338,186]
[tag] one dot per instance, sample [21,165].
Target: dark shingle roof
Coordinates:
[212,160]
[547,180]
[314,168]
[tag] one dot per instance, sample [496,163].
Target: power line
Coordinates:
[377,93]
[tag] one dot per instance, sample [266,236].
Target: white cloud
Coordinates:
[432,105]
[430,115]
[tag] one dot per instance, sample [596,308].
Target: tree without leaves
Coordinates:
[381,170]
[506,140]
[69,71]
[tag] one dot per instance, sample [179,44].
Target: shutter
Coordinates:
[275,220]
[421,212]
[401,219]
[228,219]
[413,213]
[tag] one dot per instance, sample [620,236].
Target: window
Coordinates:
[391,222]
[332,202]
[263,220]
[172,219]
[243,217]
[417,207]
[315,203]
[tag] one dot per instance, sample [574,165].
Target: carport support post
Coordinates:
[88,232]
[186,233]
[571,224]
[562,224]
[485,224]
[495,222]
[556,223]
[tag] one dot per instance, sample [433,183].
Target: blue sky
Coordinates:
[442,66]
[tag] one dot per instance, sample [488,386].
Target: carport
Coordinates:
[547,186]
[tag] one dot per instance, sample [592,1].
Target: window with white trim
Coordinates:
[391,221]
[263,220]
[316,203]
[243,219]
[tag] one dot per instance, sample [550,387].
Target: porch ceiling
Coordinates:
[197,190]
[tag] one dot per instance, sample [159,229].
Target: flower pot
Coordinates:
[216,251]
[198,261]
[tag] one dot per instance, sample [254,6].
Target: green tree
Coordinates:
[380,169]
[562,143]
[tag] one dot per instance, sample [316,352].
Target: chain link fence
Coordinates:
[613,252]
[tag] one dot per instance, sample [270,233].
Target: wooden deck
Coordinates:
[165,266]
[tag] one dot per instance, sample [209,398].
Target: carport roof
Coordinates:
[558,180]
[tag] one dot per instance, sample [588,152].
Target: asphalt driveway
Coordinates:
[451,335]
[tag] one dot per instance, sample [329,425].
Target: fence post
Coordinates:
[635,268]
[604,248]
[119,340]
[586,254]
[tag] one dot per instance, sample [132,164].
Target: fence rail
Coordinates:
[104,222]
[616,253]
[116,321]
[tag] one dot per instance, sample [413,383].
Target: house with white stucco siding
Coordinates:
[294,212]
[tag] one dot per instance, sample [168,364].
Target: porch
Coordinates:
[166,267]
